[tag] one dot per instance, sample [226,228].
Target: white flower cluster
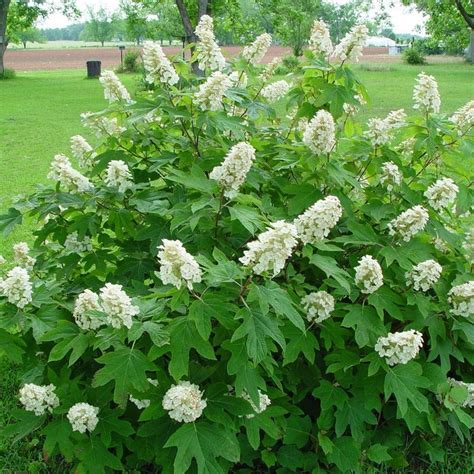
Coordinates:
[406,146]
[425,94]
[461,298]
[16,287]
[256,51]
[209,55]
[264,403]
[101,125]
[463,118]
[368,274]
[114,90]
[239,79]
[442,194]
[351,109]
[210,94]
[272,248]
[469,402]
[391,176]
[380,131]
[141,404]
[83,417]
[351,46]
[158,67]
[232,172]
[85,302]
[424,275]
[318,306]
[320,40]
[177,266]
[409,223]
[74,245]
[118,176]
[184,402]
[21,256]
[270,69]
[399,347]
[468,247]
[318,220]
[38,398]
[61,170]
[440,245]
[320,133]
[275,91]
[118,306]
[82,151]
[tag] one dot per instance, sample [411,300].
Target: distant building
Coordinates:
[379,42]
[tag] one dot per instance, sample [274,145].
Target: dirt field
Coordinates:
[44,60]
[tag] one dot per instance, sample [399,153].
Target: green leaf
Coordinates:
[196,179]
[299,342]
[297,430]
[12,346]
[330,395]
[365,322]
[378,453]
[127,369]
[58,434]
[329,266]
[276,297]
[10,220]
[26,423]
[403,381]
[257,326]
[353,413]
[345,454]
[95,458]
[248,217]
[204,443]
[183,338]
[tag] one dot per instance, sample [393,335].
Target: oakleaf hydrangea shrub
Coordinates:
[239,277]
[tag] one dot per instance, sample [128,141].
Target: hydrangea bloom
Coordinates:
[256,51]
[74,245]
[83,417]
[442,194]
[85,302]
[440,245]
[21,256]
[351,46]
[425,94]
[461,298]
[177,266]
[270,69]
[210,94]
[264,403]
[102,125]
[38,398]
[114,90]
[351,109]
[368,274]
[463,118]
[118,175]
[209,55]
[380,131]
[158,67]
[317,221]
[184,402]
[239,79]
[424,275]
[275,91]
[232,172]
[320,133]
[318,306]
[468,247]
[272,248]
[399,347]
[409,223]
[61,170]
[391,176]
[82,151]
[16,287]
[469,402]
[320,40]
[141,404]
[118,306]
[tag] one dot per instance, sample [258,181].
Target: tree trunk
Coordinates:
[24,44]
[470,49]
[4,5]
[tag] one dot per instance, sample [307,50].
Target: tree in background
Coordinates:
[136,22]
[450,22]
[100,27]
[30,35]
[18,15]
[68,33]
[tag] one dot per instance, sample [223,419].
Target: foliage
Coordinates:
[413,56]
[8,74]
[131,61]
[100,26]
[335,404]
[30,35]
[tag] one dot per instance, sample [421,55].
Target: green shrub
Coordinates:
[8,74]
[290,62]
[225,289]
[413,56]
[131,61]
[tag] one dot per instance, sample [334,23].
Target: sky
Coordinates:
[404,19]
